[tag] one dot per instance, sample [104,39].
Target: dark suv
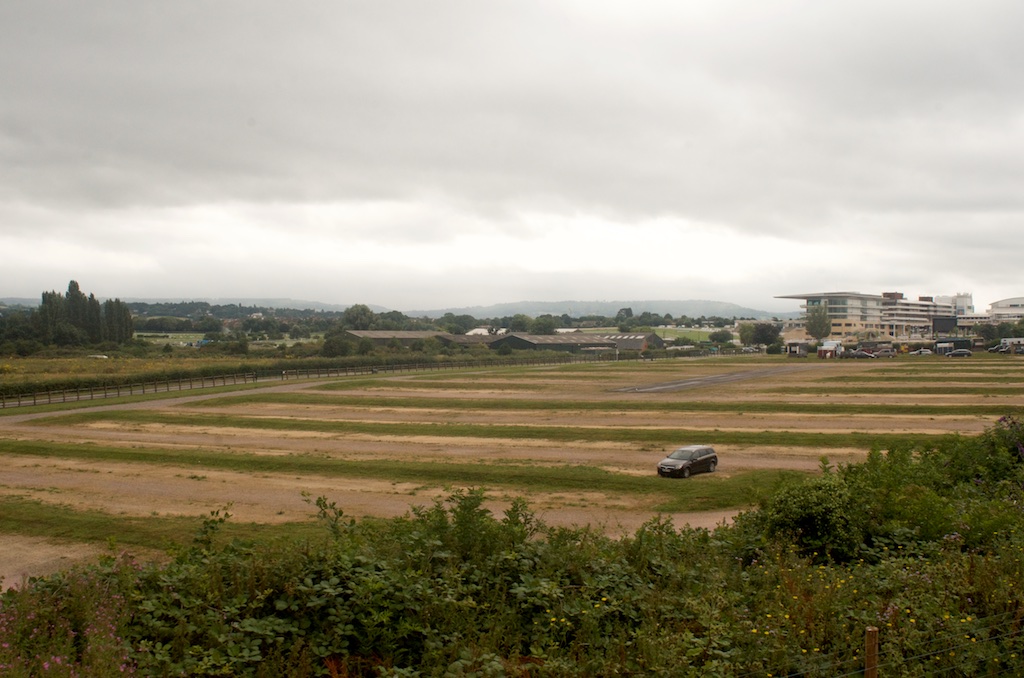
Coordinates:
[687,460]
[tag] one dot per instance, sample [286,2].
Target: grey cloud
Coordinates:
[809,120]
[191,101]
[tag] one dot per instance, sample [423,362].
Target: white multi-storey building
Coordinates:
[962,302]
[851,313]
[883,315]
[907,318]
[1006,310]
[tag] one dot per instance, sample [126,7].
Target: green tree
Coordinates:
[431,346]
[766,333]
[986,331]
[544,324]
[365,346]
[240,345]
[818,324]
[77,319]
[76,306]
[299,331]
[820,516]
[457,324]
[209,324]
[94,320]
[392,320]
[118,325]
[519,323]
[336,346]
[746,331]
[358,317]
[50,314]
[66,334]
[720,336]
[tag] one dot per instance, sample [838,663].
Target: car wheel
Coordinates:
[711,467]
[686,472]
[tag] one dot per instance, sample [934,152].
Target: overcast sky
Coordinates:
[420,155]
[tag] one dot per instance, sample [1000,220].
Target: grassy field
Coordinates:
[579,442]
[43,371]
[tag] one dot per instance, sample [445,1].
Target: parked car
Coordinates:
[860,353]
[886,353]
[960,353]
[684,461]
[922,351]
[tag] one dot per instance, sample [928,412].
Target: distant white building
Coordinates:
[851,313]
[911,318]
[962,303]
[882,315]
[969,320]
[1006,310]
[1003,311]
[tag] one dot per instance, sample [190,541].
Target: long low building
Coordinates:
[400,337]
[636,341]
[567,341]
[571,341]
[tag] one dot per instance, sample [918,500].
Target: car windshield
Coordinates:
[685,454]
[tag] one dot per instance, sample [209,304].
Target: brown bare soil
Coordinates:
[23,557]
[138,489]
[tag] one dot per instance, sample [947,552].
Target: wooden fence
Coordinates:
[120,390]
[191,383]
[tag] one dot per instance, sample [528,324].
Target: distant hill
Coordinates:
[296,304]
[20,301]
[693,308]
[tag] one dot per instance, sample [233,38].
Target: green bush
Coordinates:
[818,515]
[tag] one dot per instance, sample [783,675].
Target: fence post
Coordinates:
[871,652]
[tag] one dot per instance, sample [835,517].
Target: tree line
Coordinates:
[68,319]
[74,319]
[300,323]
[280,323]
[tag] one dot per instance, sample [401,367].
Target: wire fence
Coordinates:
[994,647]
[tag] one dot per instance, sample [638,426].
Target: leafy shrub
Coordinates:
[818,515]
